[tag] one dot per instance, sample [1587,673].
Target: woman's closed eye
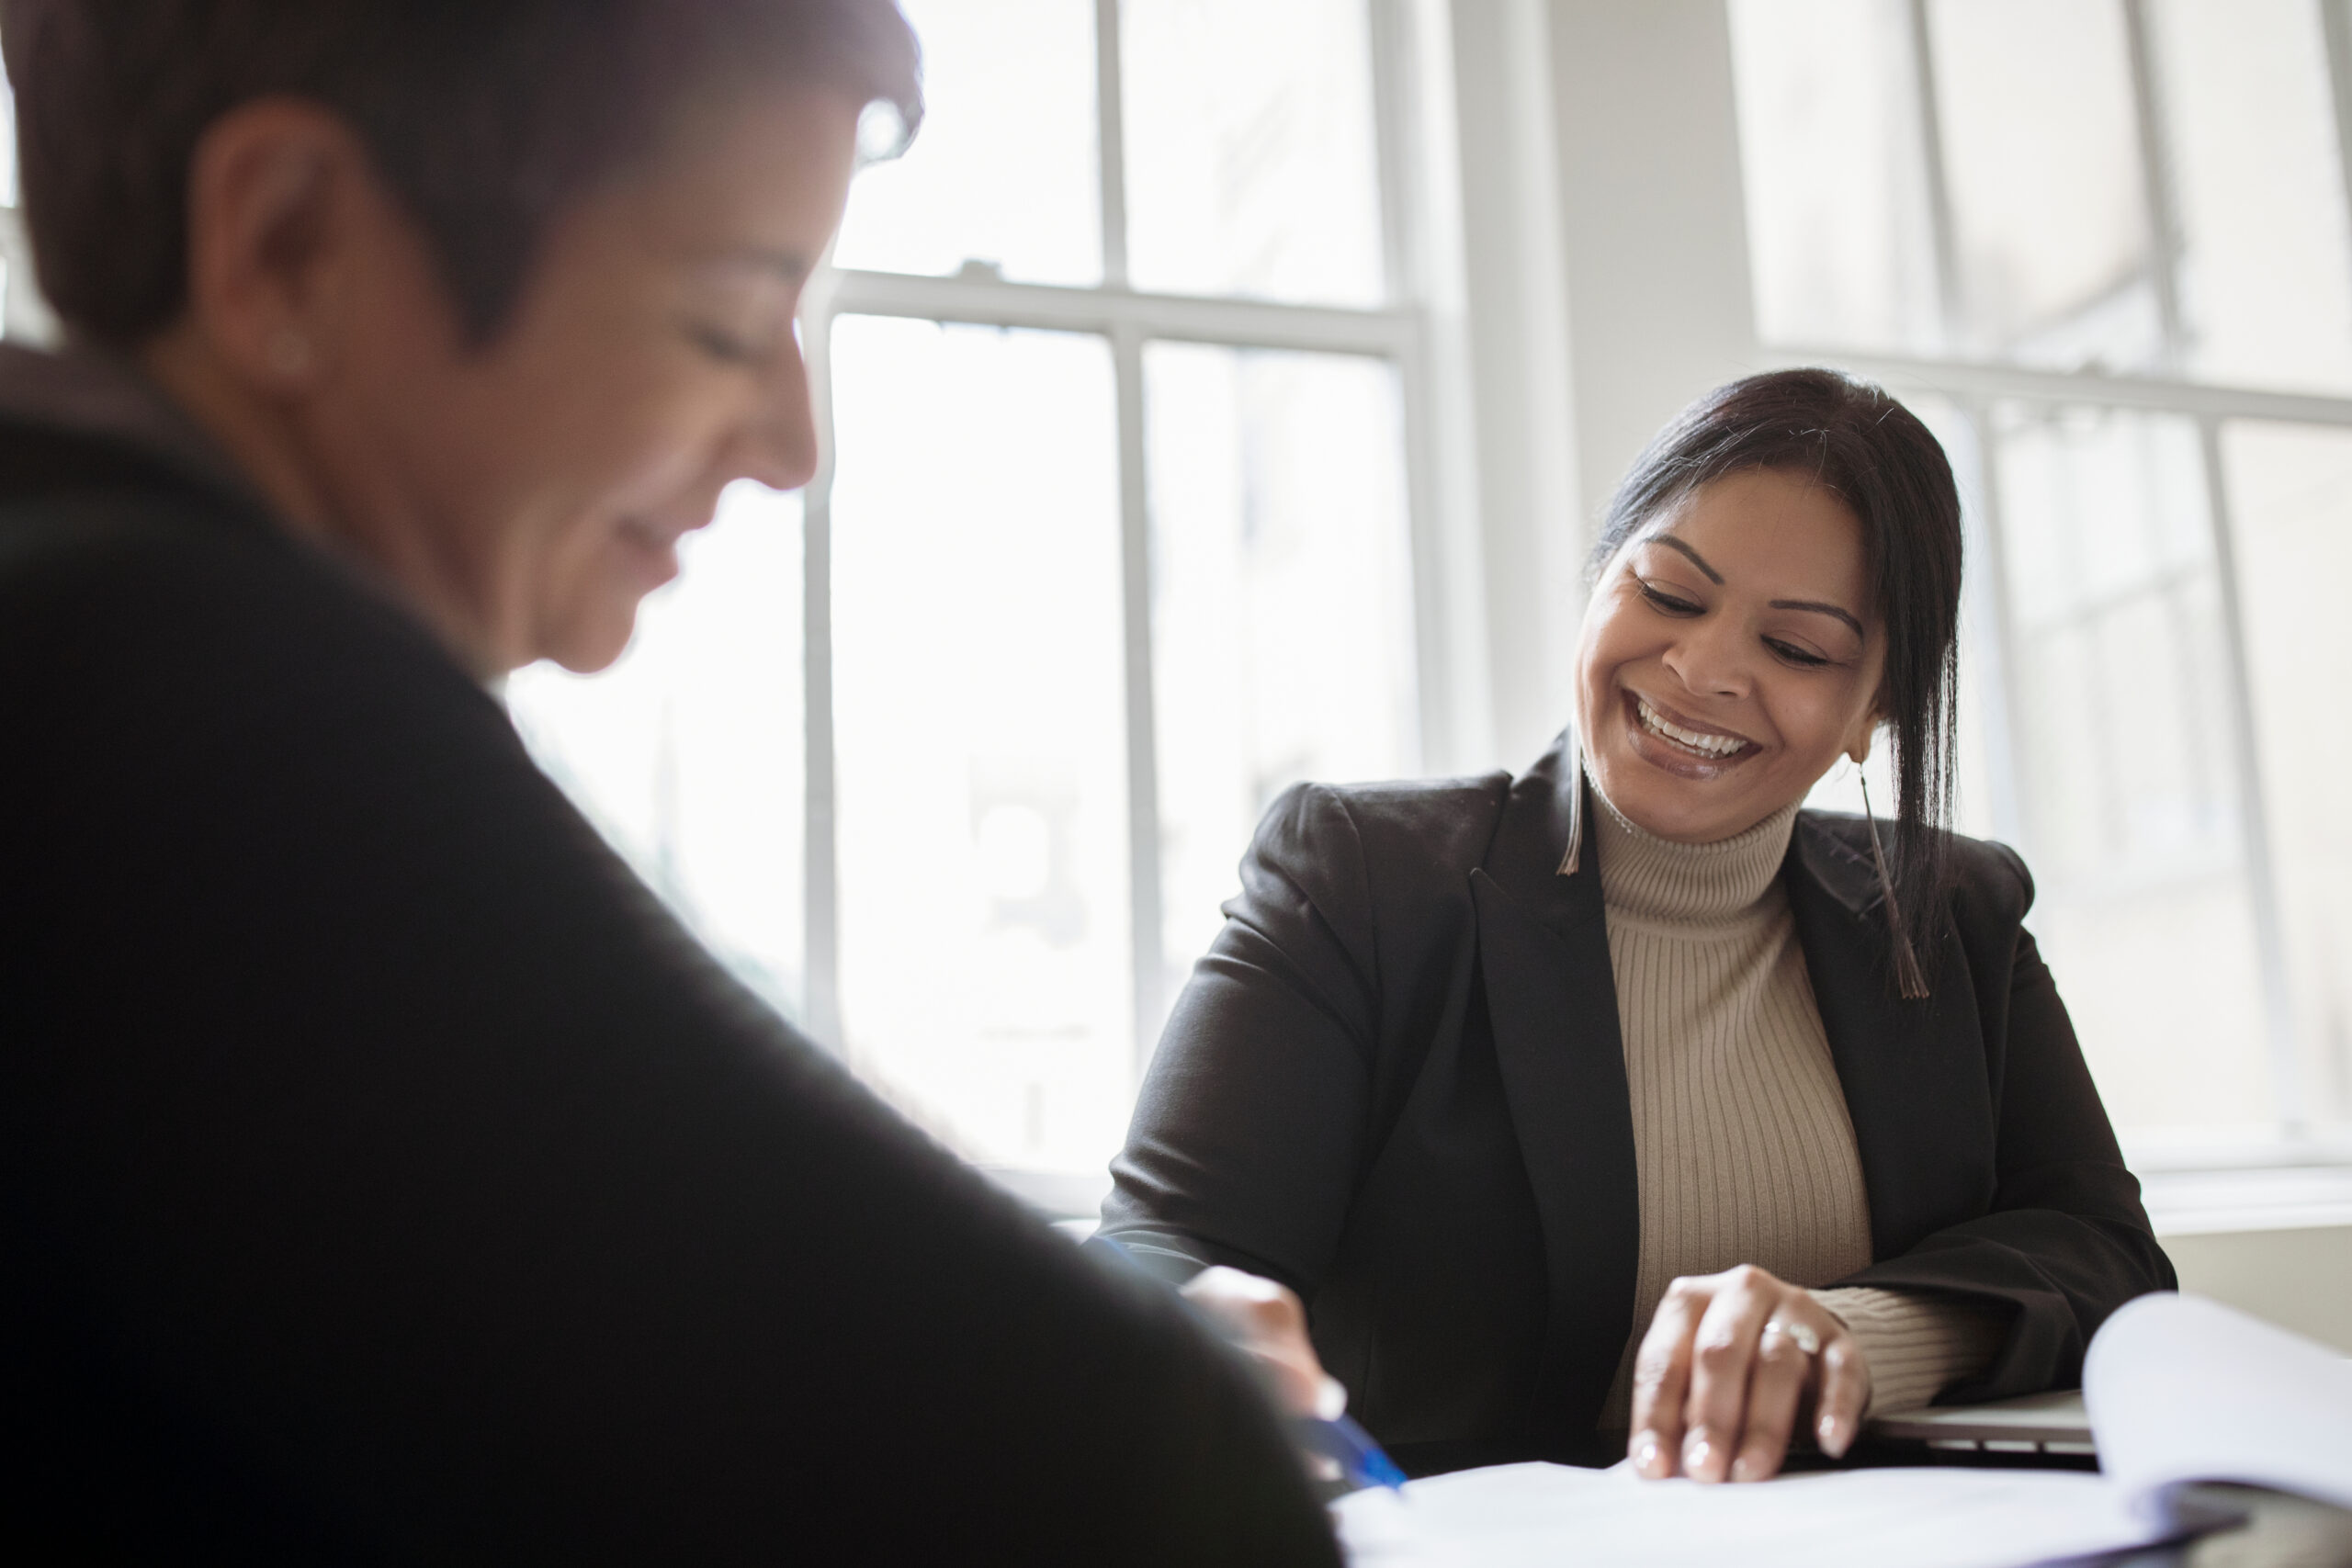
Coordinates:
[1803,658]
[729,346]
[1672,603]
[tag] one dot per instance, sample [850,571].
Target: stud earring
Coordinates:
[1908,980]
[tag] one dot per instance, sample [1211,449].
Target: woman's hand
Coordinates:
[1266,1321]
[1724,1372]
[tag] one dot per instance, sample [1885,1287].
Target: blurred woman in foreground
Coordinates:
[383,1174]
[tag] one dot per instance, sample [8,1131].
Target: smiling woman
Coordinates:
[383,1174]
[1623,1107]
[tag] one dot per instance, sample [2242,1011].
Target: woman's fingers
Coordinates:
[1722,1357]
[1661,1378]
[1845,1383]
[1775,1389]
[1266,1320]
[1724,1372]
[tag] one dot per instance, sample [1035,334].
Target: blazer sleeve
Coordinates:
[1248,1132]
[2065,1241]
[380,1164]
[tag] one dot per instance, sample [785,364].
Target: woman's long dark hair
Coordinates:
[1854,440]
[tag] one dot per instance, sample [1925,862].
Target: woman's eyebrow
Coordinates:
[1820,609]
[789,267]
[1671,543]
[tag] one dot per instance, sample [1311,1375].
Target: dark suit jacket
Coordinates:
[1396,1083]
[384,1174]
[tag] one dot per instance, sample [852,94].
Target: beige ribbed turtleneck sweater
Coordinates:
[1743,1149]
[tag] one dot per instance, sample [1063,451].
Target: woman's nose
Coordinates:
[778,441]
[1711,658]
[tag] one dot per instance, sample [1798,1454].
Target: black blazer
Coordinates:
[386,1176]
[1396,1083]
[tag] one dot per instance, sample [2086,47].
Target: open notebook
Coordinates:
[2179,1389]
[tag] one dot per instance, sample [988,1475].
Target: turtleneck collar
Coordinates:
[1653,878]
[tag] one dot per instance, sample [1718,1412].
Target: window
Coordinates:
[954,756]
[2115,268]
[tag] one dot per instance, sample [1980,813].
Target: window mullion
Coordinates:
[2336,27]
[2254,817]
[1996,630]
[821,861]
[1952,320]
[1143,731]
[1443,568]
[2156,184]
[1110,141]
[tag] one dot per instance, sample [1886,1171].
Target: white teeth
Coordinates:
[1696,740]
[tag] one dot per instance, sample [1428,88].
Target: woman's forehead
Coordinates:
[1766,530]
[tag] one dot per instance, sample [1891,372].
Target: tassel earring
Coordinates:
[1572,759]
[1908,980]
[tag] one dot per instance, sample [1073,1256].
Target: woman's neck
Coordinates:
[1654,878]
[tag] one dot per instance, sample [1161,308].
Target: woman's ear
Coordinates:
[278,212]
[1857,743]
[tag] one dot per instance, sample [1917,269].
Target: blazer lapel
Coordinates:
[1543,951]
[1912,1071]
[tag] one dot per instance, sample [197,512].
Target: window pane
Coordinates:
[1282,619]
[2042,163]
[688,753]
[1004,170]
[1837,221]
[2290,500]
[2267,270]
[979,700]
[1251,151]
[2130,789]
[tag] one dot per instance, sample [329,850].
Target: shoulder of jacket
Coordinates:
[157,571]
[1436,818]
[1981,874]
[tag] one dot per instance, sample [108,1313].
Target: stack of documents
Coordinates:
[2180,1390]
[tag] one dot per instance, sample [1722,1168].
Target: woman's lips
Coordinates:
[1671,741]
[651,552]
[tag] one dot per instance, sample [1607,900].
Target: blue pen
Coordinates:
[1360,1458]
[1336,1437]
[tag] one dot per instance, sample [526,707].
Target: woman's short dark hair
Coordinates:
[1854,440]
[486,118]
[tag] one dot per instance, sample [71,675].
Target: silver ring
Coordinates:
[1798,1334]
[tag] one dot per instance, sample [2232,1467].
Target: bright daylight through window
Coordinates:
[955,756]
[2115,268]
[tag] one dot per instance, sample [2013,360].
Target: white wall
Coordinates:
[1654,224]
[2300,1279]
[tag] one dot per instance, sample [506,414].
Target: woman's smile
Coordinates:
[650,549]
[1671,739]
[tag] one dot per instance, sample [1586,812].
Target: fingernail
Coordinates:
[1744,1469]
[1694,1457]
[1331,1399]
[1646,1457]
[1833,1437]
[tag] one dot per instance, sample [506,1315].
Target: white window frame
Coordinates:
[1974,386]
[1420,330]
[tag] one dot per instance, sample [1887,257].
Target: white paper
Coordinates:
[2183,1389]
[2179,1389]
[1546,1513]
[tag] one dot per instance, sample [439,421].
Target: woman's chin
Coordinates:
[1686,804]
[592,642]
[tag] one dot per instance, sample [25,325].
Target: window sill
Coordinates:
[2277,1187]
